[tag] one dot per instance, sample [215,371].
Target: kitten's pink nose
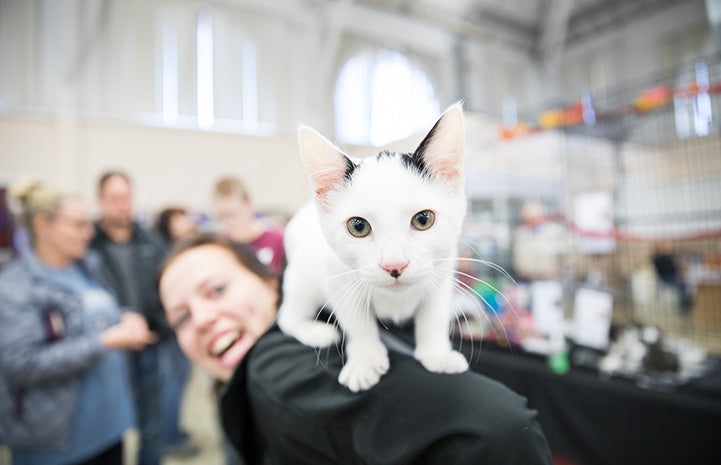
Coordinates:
[395,269]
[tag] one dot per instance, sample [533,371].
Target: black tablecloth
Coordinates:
[595,421]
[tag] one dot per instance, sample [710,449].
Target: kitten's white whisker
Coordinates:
[369,311]
[489,285]
[354,309]
[458,323]
[473,246]
[457,317]
[476,293]
[432,286]
[332,311]
[490,264]
[338,291]
[328,278]
[478,313]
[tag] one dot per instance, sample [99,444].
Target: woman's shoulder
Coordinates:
[281,361]
[293,389]
[16,278]
[289,372]
[24,283]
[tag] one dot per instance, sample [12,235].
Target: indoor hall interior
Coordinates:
[591,247]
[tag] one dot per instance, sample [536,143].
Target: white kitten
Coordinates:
[378,242]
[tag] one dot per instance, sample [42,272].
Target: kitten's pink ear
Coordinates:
[441,152]
[326,164]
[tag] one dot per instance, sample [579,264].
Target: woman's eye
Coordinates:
[358,227]
[217,291]
[423,220]
[180,321]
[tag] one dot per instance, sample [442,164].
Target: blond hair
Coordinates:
[231,187]
[32,198]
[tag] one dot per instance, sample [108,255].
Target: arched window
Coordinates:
[382,96]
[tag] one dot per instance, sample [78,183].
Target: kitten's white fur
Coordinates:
[330,268]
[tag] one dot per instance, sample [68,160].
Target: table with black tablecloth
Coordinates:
[595,420]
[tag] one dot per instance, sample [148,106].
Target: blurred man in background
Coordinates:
[130,258]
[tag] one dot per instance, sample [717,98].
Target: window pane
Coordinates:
[205,70]
[383,96]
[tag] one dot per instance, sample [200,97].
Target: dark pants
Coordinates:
[145,374]
[111,456]
[174,371]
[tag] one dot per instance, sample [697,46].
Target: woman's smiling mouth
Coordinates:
[224,342]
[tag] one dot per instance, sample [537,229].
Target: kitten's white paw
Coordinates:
[361,373]
[315,334]
[444,362]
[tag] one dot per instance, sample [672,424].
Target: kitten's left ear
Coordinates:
[441,152]
[327,166]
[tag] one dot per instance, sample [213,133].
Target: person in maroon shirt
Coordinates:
[237,220]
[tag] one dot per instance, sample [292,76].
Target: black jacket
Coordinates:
[149,252]
[284,405]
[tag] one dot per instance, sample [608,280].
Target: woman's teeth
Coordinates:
[224,342]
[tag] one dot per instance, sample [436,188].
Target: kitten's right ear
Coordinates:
[441,152]
[327,166]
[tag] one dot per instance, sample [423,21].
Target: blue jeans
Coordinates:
[145,376]
[174,372]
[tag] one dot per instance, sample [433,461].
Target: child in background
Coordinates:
[237,220]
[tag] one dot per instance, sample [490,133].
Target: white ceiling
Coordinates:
[541,29]
[530,24]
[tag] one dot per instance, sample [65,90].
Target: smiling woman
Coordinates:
[218,312]
[281,402]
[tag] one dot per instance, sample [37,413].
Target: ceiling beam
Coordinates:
[554,27]
[611,14]
[507,29]
[483,27]
[89,41]
[336,19]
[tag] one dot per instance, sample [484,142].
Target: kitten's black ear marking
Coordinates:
[440,154]
[327,166]
[416,159]
[350,167]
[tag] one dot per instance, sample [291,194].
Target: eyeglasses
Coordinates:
[76,224]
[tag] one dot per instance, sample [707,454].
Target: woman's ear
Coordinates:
[276,287]
[274,283]
[41,223]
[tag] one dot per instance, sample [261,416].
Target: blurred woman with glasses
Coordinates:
[64,392]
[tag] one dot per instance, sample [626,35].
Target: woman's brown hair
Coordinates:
[243,253]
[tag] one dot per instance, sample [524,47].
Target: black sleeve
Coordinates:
[151,252]
[290,397]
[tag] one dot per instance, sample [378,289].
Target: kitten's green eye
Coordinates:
[423,220]
[358,226]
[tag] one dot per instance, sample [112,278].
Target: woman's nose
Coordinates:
[203,314]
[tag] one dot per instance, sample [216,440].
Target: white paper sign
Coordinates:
[593,215]
[592,318]
[546,307]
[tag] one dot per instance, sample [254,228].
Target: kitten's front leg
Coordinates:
[367,357]
[432,325]
[297,315]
